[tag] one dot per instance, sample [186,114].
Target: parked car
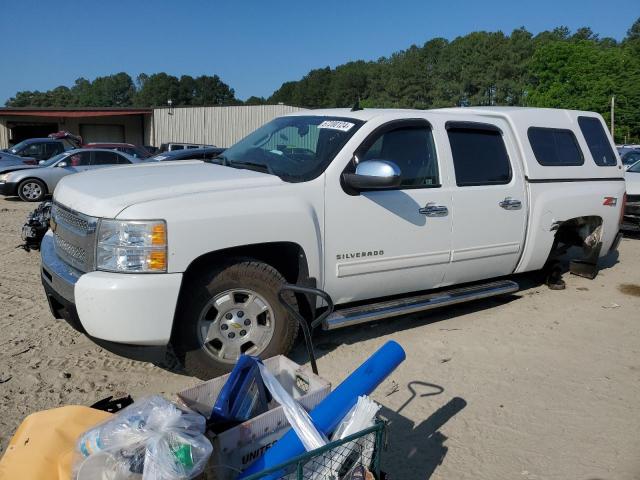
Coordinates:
[128,148]
[630,157]
[10,162]
[632,207]
[190,154]
[34,150]
[33,184]
[171,146]
[376,207]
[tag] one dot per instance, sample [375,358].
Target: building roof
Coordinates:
[71,112]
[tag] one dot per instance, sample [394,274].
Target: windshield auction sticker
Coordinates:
[337,125]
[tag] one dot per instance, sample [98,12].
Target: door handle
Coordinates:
[510,204]
[433,210]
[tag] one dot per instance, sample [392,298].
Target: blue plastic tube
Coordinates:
[328,414]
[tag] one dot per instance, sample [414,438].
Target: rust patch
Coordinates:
[630,289]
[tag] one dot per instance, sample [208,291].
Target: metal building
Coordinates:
[221,126]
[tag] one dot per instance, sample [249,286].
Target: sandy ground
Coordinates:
[540,385]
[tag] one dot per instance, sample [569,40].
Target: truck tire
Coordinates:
[230,311]
[32,190]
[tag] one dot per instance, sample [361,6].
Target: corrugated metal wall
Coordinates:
[4,134]
[221,126]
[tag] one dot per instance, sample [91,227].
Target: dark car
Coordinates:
[128,148]
[188,154]
[630,157]
[33,150]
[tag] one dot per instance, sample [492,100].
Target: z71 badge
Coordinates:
[347,256]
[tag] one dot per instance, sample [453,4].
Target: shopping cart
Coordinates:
[341,458]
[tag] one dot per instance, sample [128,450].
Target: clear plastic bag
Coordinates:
[153,439]
[297,416]
[361,416]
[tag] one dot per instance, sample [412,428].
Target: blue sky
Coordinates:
[254,46]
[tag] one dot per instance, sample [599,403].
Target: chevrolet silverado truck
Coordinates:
[388,211]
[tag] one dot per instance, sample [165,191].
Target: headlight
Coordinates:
[3,178]
[132,246]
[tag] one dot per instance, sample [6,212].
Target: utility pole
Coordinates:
[613,108]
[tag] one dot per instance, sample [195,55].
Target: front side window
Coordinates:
[34,150]
[79,159]
[412,149]
[597,140]
[295,148]
[554,147]
[479,156]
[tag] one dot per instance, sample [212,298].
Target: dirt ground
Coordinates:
[539,385]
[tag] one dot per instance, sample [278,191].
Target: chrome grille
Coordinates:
[77,253]
[74,237]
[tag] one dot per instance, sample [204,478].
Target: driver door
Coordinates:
[386,242]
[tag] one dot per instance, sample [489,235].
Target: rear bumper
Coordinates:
[631,220]
[9,189]
[114,307]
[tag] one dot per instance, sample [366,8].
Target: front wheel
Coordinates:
[231,311]
[32,190]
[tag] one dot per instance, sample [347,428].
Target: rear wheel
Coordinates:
[32,190]
[231,311]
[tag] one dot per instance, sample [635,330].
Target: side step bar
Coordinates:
[404,306]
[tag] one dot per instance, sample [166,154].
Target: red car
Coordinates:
[128,148]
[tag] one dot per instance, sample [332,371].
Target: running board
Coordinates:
[404,306]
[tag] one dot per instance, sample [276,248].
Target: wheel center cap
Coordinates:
[234,325]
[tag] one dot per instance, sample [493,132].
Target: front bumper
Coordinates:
[114,307]
[9,189]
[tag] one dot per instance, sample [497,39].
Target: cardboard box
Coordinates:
[235,449]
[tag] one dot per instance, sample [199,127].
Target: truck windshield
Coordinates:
[296,148]
[18,147]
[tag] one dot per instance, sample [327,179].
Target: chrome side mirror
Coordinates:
[62,164]
[373,175]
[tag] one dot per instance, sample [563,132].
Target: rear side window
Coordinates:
[122,160]
[554,147]
[479,156]
[105,158]
[597,141]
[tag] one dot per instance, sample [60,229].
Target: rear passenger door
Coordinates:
[489,203]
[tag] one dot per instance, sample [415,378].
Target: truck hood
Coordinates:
[12,168]
[106,192]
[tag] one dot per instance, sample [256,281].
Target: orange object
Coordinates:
[43,446]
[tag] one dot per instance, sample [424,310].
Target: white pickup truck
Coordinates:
[388,211]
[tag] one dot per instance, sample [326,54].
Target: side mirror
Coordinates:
[40,162]
[62,164]
[373,175]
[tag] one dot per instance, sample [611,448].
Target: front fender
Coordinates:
[206,222]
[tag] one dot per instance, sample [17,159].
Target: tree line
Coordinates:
[556,68]
[120,90]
